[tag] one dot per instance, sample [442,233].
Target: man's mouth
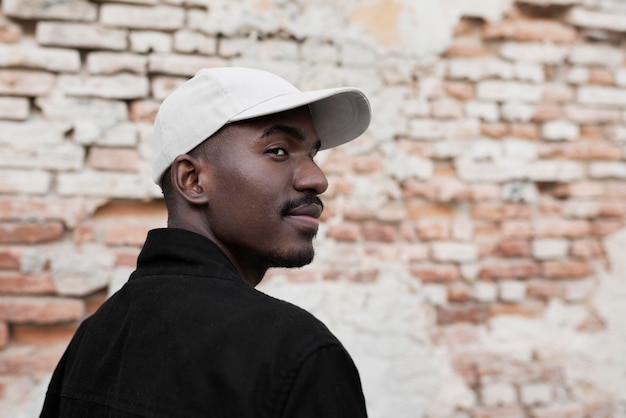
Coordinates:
[311,210]
[305,206]
[306,212]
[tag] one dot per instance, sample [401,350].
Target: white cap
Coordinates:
[215,97]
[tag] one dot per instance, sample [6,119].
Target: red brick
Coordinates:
[487,248]
[367,164]
[406,232]
[462,313]
[565,269]
[364,276]
[126,234]
[417,211]
[467,371]
[29,360]
[459,293]
[10,33]
[460,90]
[143,110]
[511,270]
[330,210]
[446,109]
[377,232]
[546,112]
[413,252]
[499,211]
[84,233]
[616,189]
[335,164]
[94,301]
[337,187]
[603,228]
[43,335]
[586,249]
[452,190]
[482,192]
[4,340]
[601,76]
[25,284]
[436,273]
[544,290]
[592,133]
[529,308]
[9,259]
[562,228]
[40,310]
[391,213]
[557,93]
[530,30]
[70,211]
[419,149]
[517,229]
[551,208]
[522,373]
[30,232]
[508,412]
[515,248]
[580,189]
[494,130]
[466,47]
[591,324]
[568,410]
[464,27]
[359,213]
[25,83]
[525,130]
[433,229]
[486,229]
[419,189]
[138,210]
[330,275]
[590,150]
[126,257]
[347,232]
[300,276]
[600,410]
[459,335]
[384,252]
[611,210]
[114,159]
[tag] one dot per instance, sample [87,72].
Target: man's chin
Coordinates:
[292,260]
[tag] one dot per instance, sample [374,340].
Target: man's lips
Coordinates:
[310,210]
[304,212]
[306,216]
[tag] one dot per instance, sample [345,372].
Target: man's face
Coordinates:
[263,208]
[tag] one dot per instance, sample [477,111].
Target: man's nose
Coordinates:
[310,177]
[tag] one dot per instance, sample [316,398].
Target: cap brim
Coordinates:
[339,114]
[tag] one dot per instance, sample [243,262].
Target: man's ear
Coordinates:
[187,179]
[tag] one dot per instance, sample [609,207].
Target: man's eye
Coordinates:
[281,152]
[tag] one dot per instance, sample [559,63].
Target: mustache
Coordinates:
[304,201]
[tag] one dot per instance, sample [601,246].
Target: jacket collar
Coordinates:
[171,251]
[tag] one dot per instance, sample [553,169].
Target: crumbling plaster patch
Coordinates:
[594,361]
[384,327]
[415,28]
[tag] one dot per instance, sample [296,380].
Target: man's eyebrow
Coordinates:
[289,130]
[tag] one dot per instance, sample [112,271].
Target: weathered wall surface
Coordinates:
[471,257]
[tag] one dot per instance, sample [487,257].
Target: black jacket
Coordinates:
[187,337]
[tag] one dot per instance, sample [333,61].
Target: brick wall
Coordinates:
[471,251]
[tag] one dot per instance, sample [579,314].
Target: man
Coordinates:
[189,335]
